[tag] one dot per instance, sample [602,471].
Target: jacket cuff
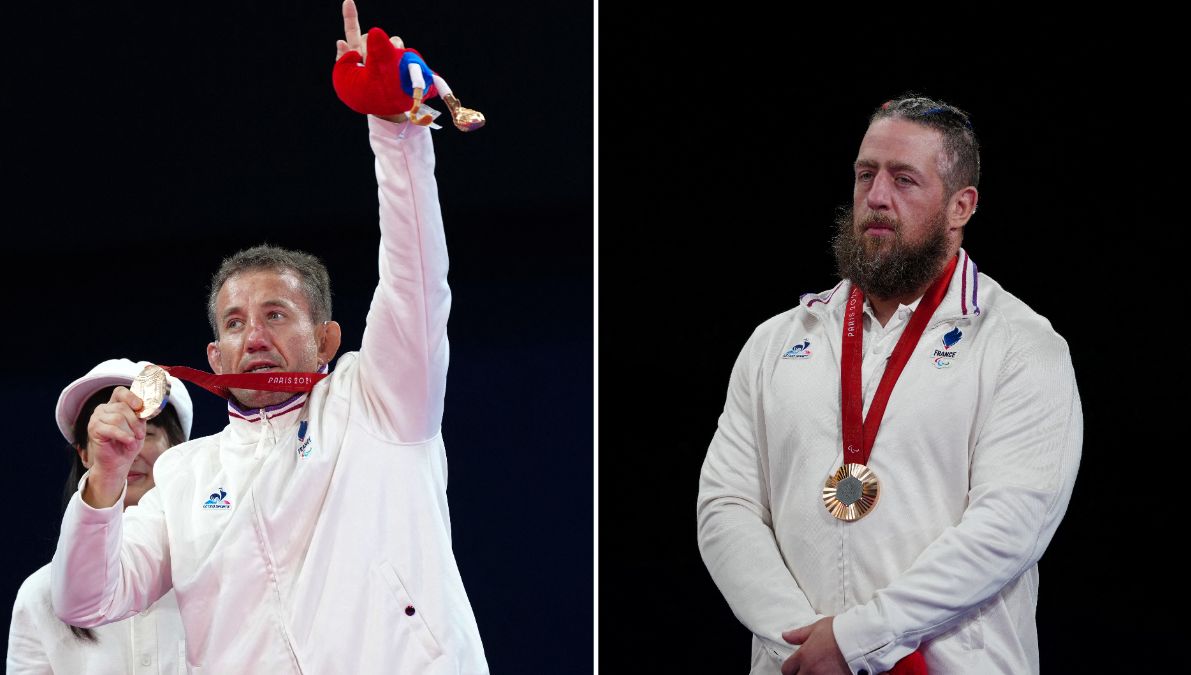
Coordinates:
[868,645]
[89,514]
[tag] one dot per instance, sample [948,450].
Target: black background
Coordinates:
[755,120]
[146,141]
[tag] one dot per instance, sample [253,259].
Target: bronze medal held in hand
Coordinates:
[153,388]
[851,492]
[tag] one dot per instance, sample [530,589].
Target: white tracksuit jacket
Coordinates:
[149,643]
[977,456]
[312,537]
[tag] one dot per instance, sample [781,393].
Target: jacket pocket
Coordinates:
[973,638]
[405,611]
[966,636]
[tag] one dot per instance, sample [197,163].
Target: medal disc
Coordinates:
[152,387]
[851,492]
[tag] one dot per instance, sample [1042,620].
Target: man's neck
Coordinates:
[883,308]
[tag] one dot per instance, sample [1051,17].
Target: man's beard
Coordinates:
[888,268]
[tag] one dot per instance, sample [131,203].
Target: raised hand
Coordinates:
[351,41]
[115,436]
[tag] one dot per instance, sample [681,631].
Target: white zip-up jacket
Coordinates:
[311,537]
[977,456]
[149,643]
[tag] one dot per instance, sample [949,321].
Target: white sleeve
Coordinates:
[27,653]
[109,565]
[736,536]
[441,86]
[1023,470]
[415,77]
[404,350]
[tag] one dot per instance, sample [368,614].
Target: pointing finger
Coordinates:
[351,25]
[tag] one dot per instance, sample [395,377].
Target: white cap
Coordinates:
[118,372]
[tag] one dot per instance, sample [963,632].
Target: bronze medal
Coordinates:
[851,492]
[153,388]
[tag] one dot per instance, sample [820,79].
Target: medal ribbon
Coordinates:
[859,434]
[220,385]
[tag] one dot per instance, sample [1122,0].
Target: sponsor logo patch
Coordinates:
[218,500]
[802,351]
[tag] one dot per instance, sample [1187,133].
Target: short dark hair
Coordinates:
[316,283]
[961,162]
[166,420]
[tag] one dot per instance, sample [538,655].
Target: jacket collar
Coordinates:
[286,413]
[253,415]
[959,302]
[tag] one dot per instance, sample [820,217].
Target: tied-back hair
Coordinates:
[166,420]
[961,162]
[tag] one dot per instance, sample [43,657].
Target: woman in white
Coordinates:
[150,642]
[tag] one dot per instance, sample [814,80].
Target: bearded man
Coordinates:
[895,453]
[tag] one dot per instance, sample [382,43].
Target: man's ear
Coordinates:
[213,358]
[328,342]
[961,206]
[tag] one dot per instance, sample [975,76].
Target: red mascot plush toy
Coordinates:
[395,80]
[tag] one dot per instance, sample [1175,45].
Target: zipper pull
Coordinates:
[266,432]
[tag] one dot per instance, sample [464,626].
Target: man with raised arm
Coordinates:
[312,534]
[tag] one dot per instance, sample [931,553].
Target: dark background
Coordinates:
[146,141]
[756,121]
